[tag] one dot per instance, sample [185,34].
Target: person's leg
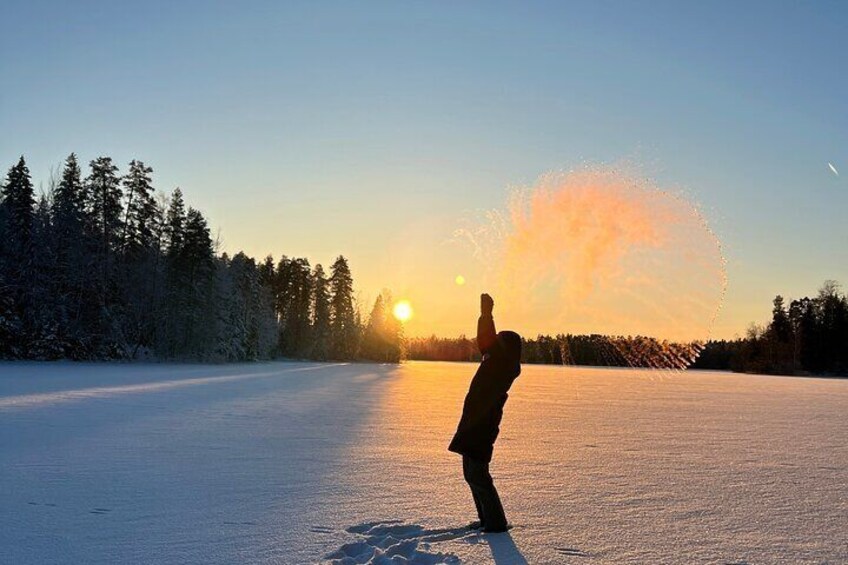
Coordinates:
[477,475]
[466,472]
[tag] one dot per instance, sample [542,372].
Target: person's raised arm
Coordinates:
[486,334]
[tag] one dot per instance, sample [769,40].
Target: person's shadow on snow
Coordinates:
[504,550]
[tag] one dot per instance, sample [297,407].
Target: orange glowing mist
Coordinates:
[602,251]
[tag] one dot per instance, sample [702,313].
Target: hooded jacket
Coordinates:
[483,408]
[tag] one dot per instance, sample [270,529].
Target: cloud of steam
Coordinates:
[577,229]
[601,251]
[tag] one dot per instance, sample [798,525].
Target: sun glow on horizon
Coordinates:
[403,310]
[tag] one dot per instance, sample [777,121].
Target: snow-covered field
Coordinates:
[299,463]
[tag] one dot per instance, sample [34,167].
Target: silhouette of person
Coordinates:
[482,412]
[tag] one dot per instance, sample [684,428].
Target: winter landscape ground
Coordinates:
[304,463]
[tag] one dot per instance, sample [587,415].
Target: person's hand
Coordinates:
[486,304]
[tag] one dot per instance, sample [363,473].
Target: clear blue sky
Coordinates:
[313,128]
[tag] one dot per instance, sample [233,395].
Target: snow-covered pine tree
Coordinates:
[18,204]
[232,313]
[17,210]
[247,328]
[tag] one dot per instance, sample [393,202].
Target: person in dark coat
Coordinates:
[482,412]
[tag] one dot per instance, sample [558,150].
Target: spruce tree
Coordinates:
[175,220]
[139,225]
[196,267]
[282,299]
[266,272]
[169,335]
[320,314]
[17,263]
[303,308]
[293,303]
[18,208]
[104,193]
[74,247]
[373,339]
[69,216]
[343,326]
[103,190]
[269,335]
[45,321]
[69,200]
[383,336]
[393,332]
[140,269]
[780,325]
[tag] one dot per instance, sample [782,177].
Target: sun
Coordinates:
[403,310]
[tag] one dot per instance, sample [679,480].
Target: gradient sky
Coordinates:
[372,128]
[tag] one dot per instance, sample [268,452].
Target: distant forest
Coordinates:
[809,336]
[588,350]
[103,267]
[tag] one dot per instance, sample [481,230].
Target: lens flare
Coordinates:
[403,310]
[601,251]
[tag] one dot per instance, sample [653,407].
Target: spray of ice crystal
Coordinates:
[605,252]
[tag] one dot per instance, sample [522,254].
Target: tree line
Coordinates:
[566,349]
[807,336]
[102,266]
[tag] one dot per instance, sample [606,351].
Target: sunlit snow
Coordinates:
[347,463]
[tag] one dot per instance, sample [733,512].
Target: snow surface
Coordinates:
[304,462]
